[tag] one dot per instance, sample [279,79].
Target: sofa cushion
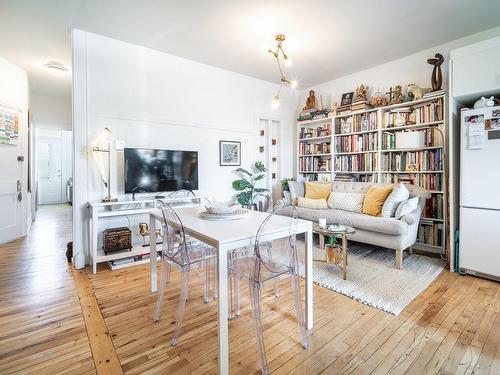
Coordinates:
[399,194]
[346,201]
[318,190]
[406,207]
[296,190]
[375,198]
[316,204]
[385,225]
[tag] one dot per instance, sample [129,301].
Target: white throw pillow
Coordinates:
[352,202]
[399,194]
[406,207]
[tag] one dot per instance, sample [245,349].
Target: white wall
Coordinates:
[14,92]
[51,112]
[409,69]
[155,100]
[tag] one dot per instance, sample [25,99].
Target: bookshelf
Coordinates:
[398,143]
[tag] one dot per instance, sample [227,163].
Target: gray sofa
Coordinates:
[388,232]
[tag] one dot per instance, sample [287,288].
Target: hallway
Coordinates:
[41,324]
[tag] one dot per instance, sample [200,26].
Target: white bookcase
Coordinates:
[372,154]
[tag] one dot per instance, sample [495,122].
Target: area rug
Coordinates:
[372,278]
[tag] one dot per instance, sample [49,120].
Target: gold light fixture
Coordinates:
[281,58]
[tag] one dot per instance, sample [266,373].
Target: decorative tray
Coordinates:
[236,214]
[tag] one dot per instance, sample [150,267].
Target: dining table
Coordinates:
[228,235]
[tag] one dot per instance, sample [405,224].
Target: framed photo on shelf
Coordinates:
[346,98]
[324,177]
[229,153]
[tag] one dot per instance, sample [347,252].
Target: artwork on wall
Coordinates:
[9,126]
[229,153]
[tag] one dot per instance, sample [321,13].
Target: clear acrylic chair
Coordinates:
[263,267]
[179,252]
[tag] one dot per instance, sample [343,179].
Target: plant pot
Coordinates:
[333,254]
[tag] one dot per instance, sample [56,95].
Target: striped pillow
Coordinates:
[352,202]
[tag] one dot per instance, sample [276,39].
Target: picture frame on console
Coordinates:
[229,153]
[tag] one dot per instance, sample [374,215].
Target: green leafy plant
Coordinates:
[246,185]
[284,183]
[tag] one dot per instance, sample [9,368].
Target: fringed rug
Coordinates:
[372,278]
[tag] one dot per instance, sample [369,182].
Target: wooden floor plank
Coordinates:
[59,321]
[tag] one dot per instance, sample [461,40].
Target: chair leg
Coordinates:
[182,304]
[165,277]
[255,299]
[298,310]
[206,286]
[399,258]
[275,281]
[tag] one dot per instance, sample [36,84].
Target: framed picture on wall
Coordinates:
[229,153]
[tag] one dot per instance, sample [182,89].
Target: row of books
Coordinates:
[356,143]
[427,181]
[422,114]
[356,163]
[356,123]
[314,164]
[346,177]
[314,148]
[428,160]
[320,131]
[430,233]
[434,207]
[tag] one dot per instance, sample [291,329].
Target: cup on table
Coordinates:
[322,223]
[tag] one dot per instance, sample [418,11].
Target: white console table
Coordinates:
[99,211]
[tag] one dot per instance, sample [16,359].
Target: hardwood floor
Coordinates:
[452,327]
[41,325]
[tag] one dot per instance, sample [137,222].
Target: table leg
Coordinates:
[309,280]
[344,256]
[152,253]
[321,241]
[222,315]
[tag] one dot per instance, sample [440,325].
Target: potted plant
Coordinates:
[333,251]
[246,185]
[284,183]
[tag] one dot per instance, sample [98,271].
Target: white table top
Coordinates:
[216,233]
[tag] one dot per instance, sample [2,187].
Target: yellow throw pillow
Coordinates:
[318,190]
[317,204]
[375,198]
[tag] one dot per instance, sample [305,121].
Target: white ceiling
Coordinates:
[325,39]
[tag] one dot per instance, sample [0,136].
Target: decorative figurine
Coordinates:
[418,92]
[437,77]
[378,100]
[361,93]
[144,231]
[396,96]
[409,97]
[310,102]
[484,102]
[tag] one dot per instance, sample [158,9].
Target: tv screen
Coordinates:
[152,171]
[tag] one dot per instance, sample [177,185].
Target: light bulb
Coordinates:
[294,84]
[275,103]
[288,62]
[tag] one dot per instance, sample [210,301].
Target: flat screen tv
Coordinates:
[153,171]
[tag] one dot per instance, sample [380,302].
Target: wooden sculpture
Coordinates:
[437,77]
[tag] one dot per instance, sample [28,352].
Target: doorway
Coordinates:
[54,167]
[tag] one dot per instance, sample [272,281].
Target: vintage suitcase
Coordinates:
[117,239]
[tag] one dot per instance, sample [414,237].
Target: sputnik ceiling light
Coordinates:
[281,58]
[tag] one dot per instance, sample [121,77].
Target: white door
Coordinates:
[49,170]
[10,190]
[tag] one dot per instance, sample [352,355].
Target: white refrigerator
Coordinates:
[479,252]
